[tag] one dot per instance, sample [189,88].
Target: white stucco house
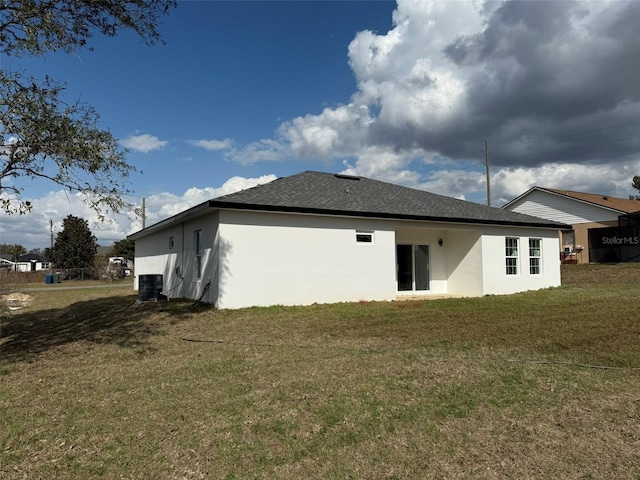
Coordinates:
[323,238]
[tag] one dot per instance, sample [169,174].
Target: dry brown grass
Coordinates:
[94,386]
[10,279]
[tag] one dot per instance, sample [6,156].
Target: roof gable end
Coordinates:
[618,205]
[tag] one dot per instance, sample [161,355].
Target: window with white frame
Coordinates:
[364,237]
[511,255]
[197,248]
[535,254]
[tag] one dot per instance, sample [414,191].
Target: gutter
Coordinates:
[390,216]
[203,208]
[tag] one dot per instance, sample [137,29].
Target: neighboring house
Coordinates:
[6,262]
[322,238]
[31,262]
[583,211]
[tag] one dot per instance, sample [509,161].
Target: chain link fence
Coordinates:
[57,275]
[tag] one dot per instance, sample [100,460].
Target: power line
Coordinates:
[472,153]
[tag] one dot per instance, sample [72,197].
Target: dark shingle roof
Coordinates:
[29,257]
[332,194]
[326,193]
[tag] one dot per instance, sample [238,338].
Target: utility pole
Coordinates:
[144,214]
[51,231]
[486,163]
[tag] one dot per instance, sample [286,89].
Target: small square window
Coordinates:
[364,237]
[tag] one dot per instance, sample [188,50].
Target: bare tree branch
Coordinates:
[41,135]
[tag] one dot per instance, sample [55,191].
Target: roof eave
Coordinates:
[202,208]
[192,212]
[522,195]
[588,202]
[386,216]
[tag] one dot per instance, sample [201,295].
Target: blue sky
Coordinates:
[243,92]
[228,70]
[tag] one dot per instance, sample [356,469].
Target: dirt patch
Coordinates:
[16,301]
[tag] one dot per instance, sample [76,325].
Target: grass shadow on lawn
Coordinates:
[117,319]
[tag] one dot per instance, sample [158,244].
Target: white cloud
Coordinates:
[405,73]
[260,151]
[32,230]
[144,143]
[462,184]
[383,163]
[403,84]
[533,77]
[212,145]
[335,133]
[527,75]
[508,183]
[164,205]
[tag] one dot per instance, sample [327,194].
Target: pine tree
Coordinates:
[124,248]
[75,245]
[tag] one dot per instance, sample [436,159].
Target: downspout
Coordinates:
[182,250]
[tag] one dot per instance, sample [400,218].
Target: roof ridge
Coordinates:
[561,190]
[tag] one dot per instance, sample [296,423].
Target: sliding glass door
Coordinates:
[412,267]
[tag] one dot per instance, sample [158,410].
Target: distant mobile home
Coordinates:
[323,238]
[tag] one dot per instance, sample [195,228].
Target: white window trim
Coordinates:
[516,256]
[367,233]
[539,257]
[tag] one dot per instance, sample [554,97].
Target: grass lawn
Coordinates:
[535,385]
